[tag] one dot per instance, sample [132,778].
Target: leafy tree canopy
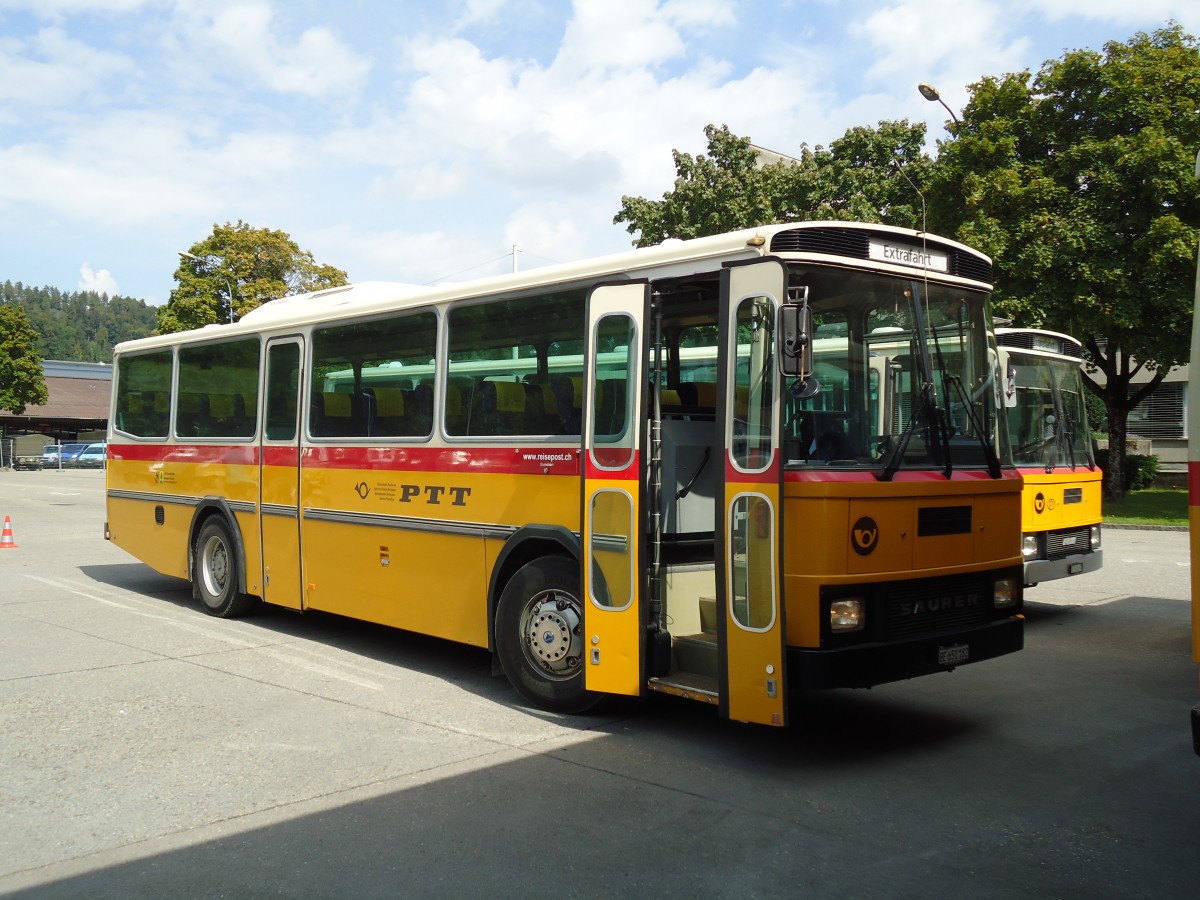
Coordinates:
[21,380]
[236,269]
[869,174]
[1079,182]
[79,325]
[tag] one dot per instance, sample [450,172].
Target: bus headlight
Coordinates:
[1004,592]
[847,614]
[1095,537]
[1029,546]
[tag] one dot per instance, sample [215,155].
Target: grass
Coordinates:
[1152,507]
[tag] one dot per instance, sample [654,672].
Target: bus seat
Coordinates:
[193,415]
[340,415]
[610,411]
[541,409]
[741,401]
[568,396]
[420,408]
[395,413]
[455,410]
[705,395]
[499,408]
[220,407]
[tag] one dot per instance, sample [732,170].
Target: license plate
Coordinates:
[1074,568]
[956,653]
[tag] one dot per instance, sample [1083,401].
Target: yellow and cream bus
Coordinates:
[1193,419]
[1052,449]
[621,475]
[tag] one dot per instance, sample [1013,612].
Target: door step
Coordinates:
[689,685]
[695,653]
[693,672]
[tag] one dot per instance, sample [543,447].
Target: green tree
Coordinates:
[1079,182]
[236,269]
[21,379]
[79,326]
[869,174]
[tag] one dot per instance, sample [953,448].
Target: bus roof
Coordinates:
[671,258]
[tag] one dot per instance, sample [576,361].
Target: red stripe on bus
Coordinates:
[482,460]
[824,475]
[769,475]
[232,455]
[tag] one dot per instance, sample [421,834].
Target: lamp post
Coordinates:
[930,93]
[183,254]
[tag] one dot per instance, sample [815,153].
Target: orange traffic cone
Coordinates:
[6,537]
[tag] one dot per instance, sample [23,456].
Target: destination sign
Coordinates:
[909,255]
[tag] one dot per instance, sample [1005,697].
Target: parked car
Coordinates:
[93,456]
[69,453]
[50,455]
[28,462]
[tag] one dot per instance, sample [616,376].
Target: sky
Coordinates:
[422,142]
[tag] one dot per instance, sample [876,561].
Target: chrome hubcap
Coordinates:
[552,630]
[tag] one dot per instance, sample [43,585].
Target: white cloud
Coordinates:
[248,37]
[51,9]
[941,29]
[101,282]
[51,69]
[1119,12]
[478,12]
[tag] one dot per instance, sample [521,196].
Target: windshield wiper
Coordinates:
[989,452]
[927,408]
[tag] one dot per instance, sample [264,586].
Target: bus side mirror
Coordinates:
[795,345]
[795,338]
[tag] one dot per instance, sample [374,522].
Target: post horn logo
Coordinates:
[864,536]
[1039,503]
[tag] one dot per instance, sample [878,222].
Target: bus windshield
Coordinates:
[908,376]
[1047,418]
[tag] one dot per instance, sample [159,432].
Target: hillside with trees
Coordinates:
[79,325]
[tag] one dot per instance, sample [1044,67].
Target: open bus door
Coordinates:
[612,540]
[751,631]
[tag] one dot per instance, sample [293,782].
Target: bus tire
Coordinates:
[539,635]
[216,571]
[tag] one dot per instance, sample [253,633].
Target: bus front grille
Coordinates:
[931,605]
[1068,542]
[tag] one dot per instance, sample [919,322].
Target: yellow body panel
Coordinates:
[282,582]
[1194,525]
[613,650]
[1044,505]
[398,548]
[181,484]
[822,528]
[431,576]
[755,670]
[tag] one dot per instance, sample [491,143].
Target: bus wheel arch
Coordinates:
[539,635]
[217,564]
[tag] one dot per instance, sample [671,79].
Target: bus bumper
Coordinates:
[1038,570]
[865,665]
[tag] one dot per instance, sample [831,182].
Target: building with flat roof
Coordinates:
[77,408]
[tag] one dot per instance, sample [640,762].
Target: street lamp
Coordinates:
[930,93]
[183,254]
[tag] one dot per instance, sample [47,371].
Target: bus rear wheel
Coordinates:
[215,575]
[539,635]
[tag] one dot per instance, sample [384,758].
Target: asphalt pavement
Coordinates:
[147,750]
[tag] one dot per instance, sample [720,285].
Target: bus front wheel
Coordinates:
[539,635]
[215,573]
